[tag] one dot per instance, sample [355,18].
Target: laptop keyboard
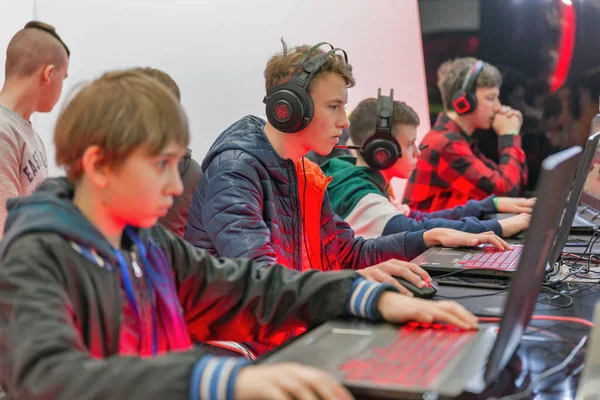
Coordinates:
[415,359]
[491,257]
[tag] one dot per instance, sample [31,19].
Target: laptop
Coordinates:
[571,216]
[586,218]
[589,384]
[411,360]
[487,260]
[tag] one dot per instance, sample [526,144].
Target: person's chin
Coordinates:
[148,222]
[324,150]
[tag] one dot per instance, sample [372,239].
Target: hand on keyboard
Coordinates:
[287,381]
[452,238]
[515,204]
[513,225]
[397,308]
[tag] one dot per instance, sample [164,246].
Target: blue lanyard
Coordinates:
[129,291]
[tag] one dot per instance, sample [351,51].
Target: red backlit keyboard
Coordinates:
[491,257]
[414,359]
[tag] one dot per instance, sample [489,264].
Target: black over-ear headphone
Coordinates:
[289,105]
[464,100]
[381,150]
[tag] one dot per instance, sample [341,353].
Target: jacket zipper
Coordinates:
[297,218]
[118,311]
[137,271]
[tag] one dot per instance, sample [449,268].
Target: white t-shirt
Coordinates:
[23,164]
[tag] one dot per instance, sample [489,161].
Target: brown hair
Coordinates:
[363,119]
[34,46]
[163,78]
[451,75]
[119,112]
[281,65]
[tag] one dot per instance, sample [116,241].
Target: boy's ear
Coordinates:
[47,72]
[95,167]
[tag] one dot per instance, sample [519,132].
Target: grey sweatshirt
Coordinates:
[23,164]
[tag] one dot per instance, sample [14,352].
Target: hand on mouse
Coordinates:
[388,270]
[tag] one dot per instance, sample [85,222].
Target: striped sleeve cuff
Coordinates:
[363,297]
[213,378]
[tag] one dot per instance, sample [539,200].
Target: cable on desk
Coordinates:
[558,293]
[549,372]
[575,320]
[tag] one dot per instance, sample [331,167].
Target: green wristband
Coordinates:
[514,133]
[495,200]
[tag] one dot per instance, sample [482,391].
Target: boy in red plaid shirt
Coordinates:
[452,170]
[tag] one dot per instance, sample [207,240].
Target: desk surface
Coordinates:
[545,344]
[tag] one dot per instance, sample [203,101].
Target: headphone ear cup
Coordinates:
[472,101]
[380,153]
[464,103]
[288,110]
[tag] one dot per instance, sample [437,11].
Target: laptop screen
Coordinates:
[527,281]
[591,188]
[590,154]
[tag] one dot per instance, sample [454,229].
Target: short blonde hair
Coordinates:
[119,112]
[281,65]
[451,75]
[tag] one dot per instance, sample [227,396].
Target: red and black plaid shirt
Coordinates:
[452,170]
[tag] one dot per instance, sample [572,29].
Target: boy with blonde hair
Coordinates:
[97,301]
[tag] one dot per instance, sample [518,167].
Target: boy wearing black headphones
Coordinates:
[259,198]
[452,170]
[360,192]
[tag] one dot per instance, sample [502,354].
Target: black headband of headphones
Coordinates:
[307,74]
[471,77]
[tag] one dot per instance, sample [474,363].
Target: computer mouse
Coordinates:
[426,292]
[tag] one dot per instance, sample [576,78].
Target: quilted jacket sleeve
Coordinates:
[230,211]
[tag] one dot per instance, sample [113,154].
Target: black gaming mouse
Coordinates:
[426,292]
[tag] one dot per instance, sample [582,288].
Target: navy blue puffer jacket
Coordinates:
[246,205]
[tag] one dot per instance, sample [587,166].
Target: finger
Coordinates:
[494,240]
[521,209]
[294,385]
[461,312]
[322,385]
[423,315]
[417,270]
[369,274]
[385,277]
[449,316]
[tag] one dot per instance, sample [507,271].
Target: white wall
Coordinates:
[216,49]
[13,15]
